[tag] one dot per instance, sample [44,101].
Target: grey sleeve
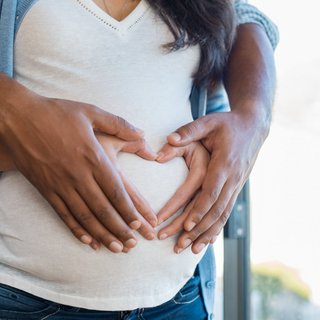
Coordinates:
[247,13]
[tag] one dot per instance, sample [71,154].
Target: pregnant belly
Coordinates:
[34,239]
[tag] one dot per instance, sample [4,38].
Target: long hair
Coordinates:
[209,23]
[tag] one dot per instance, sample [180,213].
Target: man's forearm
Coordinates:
[6,162]
[233,138]
[250,76]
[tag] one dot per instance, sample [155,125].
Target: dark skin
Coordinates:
[41,150]
[233,140]
[42,137]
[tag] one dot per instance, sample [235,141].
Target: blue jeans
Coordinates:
[19,305]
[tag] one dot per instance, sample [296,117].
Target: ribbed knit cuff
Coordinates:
[247,13]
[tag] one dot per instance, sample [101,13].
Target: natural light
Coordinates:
[285,183]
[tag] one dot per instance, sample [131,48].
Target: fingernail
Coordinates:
[94,246]
[130,243]
[150,236]
[136,224]
[178,250]
[126,250]
[175,136]
[160,155]
[190,226]
[86,239]
[140,131]
[200,247]
[187,243]
[154,222]
[163,236]
[115,246]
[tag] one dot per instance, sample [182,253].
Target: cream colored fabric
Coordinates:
[71,49]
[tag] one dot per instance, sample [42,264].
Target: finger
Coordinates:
[142,205]
[168,152]
[176,225]
[183,194]
[88,221]
[211,189]
[148,217]
[221,204]
[108,123]
[110,182]
[140,148]
[98,208]
[197,160]
[173,228]
[65,215]
[213,232]
[125,250]
[111,144]
[78,230]
[193,131]
[215,214]
[137,199]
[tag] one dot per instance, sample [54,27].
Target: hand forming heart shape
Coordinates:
[196,158]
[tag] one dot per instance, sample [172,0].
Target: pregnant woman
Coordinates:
[137,60]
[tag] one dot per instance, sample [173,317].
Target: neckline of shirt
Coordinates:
[122,26]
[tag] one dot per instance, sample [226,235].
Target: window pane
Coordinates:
[285,183]
[218,305]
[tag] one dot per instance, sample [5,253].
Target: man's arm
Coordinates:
[6,163]
[233,138]
[52,143]
[250,79]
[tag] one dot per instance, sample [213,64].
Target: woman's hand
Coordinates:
[112,146]
[197,159]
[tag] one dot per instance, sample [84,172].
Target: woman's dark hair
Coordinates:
[209,23]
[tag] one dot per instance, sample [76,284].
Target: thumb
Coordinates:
[108,123]
[140,148]
[193,131]
[168,152]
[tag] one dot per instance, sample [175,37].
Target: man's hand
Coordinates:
[52,143]
[234,138]
[233,142]
[112,146]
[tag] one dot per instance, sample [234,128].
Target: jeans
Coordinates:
[19,305]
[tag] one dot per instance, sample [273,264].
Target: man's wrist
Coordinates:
[254,117]
[250,79]
[14,98]
[3,103]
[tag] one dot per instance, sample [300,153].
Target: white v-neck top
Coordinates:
[72,49]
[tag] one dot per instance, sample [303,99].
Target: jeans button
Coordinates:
[210,284]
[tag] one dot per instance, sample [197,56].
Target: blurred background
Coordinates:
[285,183]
